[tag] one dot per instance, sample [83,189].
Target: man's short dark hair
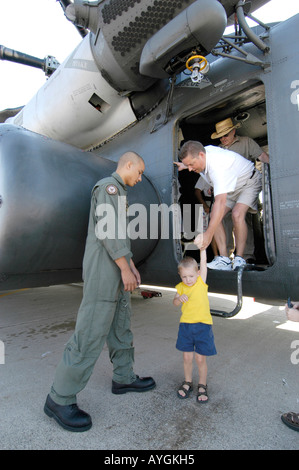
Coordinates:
[129,156]
[192,147]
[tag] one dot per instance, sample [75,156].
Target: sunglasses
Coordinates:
[226,135]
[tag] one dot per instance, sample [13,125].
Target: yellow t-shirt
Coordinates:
[197,309]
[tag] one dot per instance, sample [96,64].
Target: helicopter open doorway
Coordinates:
[248,108]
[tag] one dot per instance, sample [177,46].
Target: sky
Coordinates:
[39,28]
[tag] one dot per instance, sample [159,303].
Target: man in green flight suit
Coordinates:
[104,315]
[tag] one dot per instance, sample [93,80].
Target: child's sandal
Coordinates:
[204,393]
[185,390]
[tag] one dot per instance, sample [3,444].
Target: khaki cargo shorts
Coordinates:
[246,192]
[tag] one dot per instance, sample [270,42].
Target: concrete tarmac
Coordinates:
[252,380]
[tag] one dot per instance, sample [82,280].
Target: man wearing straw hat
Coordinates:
[245,146]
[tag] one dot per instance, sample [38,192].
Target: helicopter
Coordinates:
[147,76]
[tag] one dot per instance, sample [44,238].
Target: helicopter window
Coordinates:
[248,109]
[99,104]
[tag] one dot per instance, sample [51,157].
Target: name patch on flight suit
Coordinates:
[111,189]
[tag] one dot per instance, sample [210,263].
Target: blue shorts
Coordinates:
[196,337]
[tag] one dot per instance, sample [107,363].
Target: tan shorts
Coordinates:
[246,192]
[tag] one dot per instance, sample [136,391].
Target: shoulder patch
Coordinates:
[111,189]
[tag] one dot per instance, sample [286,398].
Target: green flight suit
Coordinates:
[105,311]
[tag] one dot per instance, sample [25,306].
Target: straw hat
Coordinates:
[224,127]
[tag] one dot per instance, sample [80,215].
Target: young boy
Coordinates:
[195,330]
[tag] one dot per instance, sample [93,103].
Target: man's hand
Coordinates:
[129,280]
[180,166]
[129,277]
[203,240]
[135,272]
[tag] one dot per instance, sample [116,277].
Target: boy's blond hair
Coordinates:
[188,262]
